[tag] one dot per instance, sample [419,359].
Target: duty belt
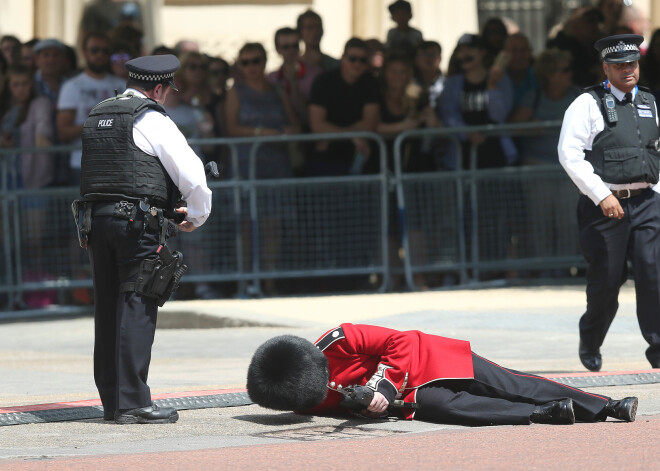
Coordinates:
[121,209]
[103,209]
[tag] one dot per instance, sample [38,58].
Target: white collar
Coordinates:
[135,92]
[621,95]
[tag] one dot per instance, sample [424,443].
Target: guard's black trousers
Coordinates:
[500,396]
[125,323]
[607,244]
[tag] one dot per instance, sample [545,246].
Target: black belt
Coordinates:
[104,208]
[625,194]
[110,208]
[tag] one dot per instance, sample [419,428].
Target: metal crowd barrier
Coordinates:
[259,229]
[462,223]
[470,222]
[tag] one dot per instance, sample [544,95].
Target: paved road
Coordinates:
[528,329]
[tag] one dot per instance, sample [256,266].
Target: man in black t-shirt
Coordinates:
[344,100]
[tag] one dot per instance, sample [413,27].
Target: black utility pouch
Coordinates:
[144,276]
[138,217]
[159,277]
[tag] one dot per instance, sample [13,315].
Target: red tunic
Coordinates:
[389,361]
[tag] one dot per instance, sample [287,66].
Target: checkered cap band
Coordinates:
[621,47]
[151,77]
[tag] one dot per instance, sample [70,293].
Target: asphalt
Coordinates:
[207,345]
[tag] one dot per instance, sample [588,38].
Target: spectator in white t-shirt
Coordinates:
[81,93]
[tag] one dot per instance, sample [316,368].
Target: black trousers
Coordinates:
[125,323]
[607,244]
[500,396]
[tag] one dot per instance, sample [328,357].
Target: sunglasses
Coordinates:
[248,62]
[120,57]
[286,47]
[360,59]
[221,71]
[96,50]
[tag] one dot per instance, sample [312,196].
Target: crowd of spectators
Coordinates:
[385,86]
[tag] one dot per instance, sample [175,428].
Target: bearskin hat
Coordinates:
[288,373]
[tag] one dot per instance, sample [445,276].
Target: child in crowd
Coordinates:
[403,35]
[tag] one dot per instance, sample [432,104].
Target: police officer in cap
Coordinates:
[136,166]
[608,146]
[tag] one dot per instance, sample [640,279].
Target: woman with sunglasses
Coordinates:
[255,108]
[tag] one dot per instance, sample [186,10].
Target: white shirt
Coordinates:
[156,134]
[583,121]
[82,93]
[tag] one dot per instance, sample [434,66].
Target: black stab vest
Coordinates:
[620,153]
[113,167]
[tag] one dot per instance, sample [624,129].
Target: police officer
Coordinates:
[136,165]
[608,147]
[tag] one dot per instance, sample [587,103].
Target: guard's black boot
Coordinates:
[623,409]
[591,359]
[555,412]
[147,415]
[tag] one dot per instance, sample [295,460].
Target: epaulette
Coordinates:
[330,338]
[644,89]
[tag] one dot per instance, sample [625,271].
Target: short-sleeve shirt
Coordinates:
[344,102]
[82,93]
[344,105]
[474,103]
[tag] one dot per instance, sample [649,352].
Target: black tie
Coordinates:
[628,98]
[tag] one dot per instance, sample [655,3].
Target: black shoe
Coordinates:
[555,412]
[147,415]
[624,409]
[108,414]
[591,359]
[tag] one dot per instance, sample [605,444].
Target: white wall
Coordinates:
[445,21]
[223,29]
[17,18]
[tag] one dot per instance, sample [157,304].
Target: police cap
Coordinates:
[619,48]
[154,68]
